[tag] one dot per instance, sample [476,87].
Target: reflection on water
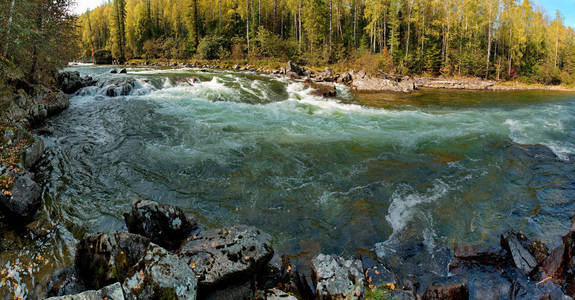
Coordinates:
[332,175]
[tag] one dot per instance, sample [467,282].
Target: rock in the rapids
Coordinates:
[118,86]
[224,256]
[71,82]
[114,71]
[374,84]
[33,154]
[123,71]
[481,254]
[24,198]
[293,68]
[450,291]
[164,225]
[111,292]
[517,246]
[322,89]
[161,275]
[337,278]
[105,258]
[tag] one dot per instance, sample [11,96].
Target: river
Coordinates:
[330,175]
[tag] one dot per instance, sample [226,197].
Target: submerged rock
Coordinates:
[164,225]
[111,292]
[105,258]
[161,275]
[337,278]
[24,198]
[224,256]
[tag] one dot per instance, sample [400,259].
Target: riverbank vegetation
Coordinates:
[494,39]
[37,38]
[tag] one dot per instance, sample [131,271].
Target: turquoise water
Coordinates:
[331,175]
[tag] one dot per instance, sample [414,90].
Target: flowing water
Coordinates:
[331,175]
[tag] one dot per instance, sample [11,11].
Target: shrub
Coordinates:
[214,47]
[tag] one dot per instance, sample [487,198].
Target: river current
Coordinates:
[331,175]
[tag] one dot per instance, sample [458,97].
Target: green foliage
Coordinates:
[214,47]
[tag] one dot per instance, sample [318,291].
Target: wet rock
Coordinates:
[24,199]
[71,82]
[374,84]
[276,294]
[481,254]
[103,57]
[293,68]
[33,154]
[113,71]
[223,256]
[164,225]
[123,71]
[517,246]
[322,89]
[242,290]
[111,292]
[64,282]
[161,275]
[56,102]
[337,278]
[376,274]
[118,86]
[559,264]
[451,291]
[105,258]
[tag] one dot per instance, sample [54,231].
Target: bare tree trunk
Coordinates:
[330,24]
[9,26]
[488,45]
[248,25]
[355,24]
[408,29]
[220,16]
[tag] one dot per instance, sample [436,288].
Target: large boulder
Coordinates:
[103,57]
[295,69]
[375,84]
[105,258]
[337,278]
[33,154]
[22,200]
[560,264]
[55,102]
[111,292]
[71,82]
[164,225]
[118,86]
[161,275]
[224,256]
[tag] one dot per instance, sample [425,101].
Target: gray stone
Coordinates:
[221,256]
[161,275]
[25,198]
[118,86]
[33,154]
[105,258]
[374,84]
[165,225]
[291,67]
[71,82]
[111,292]
[335,277]
[276,294]
[522,257]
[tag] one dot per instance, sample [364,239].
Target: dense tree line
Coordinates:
[36,39]
[498,39]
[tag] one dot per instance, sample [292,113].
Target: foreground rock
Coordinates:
[481,254]
[71,82]
[164,225]
[111,292]
[118,86]
[294,70]
[560,263]
[467,84]
[161,275]
[522,251]
[227,256]
[105,258]
[451,291]
[366,83]
[337,278]
[24,198]
[322,89]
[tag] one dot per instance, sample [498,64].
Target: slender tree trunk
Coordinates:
[330,24]
[488,45]
[248,25]
[10,14]
[355,24]
[408,29]
[220,15]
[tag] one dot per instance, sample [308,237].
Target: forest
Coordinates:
[37,38]
[495,39]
